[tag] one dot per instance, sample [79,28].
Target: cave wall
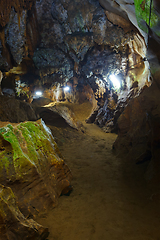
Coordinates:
[18,32]
[77,43]
[138,125]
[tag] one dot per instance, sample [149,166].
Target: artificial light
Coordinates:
[66,89]
[115,81]
[39,93]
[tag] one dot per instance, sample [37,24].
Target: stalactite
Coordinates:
[19,5]
[19,20]
[138,69]
[5,51]
[32,33]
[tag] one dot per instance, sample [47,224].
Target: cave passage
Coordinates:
[91,70]
[110,198]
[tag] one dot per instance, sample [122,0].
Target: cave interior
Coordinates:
[79,117]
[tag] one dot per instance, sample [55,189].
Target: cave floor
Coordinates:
[110,198]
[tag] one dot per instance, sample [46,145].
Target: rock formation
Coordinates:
[13,224]
[33,168]
[53,113]
[39,170]
[138,131]
[80,48]
[13,110]
[81,45]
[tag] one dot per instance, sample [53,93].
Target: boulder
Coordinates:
[13,224]
[32,166]
[13,110]
[69,116]
[54,114]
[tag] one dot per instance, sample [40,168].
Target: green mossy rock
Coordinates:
[142,9]
[32,166]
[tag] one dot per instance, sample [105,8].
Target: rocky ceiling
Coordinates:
[48,44]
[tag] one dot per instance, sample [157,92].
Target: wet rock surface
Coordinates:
[80,45]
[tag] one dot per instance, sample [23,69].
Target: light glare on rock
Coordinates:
[115,81]
[39,93]
[66,89]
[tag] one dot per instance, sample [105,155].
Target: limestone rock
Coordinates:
[69,116]
[5,63]
[138,131]
[40,102]
[108,113]
[114,7]
[6,9]
[58,111]
[53,63]
[15,35]
[32,166]
[93,115]
[104,113]
[133,129]
[90,44]
[79,44]
[118,20]
[77,39]
[13,224]
[13,110]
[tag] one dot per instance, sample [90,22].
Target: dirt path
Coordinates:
[110,198]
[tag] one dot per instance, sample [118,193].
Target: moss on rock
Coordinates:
[142,10]
[30,156]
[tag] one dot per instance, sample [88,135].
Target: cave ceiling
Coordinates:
[45,45]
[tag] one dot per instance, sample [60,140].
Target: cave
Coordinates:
[79,119]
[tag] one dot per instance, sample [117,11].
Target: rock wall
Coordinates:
[138,131]
[93,45]
[16,32]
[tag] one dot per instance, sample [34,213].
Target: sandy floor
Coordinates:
[110,198]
